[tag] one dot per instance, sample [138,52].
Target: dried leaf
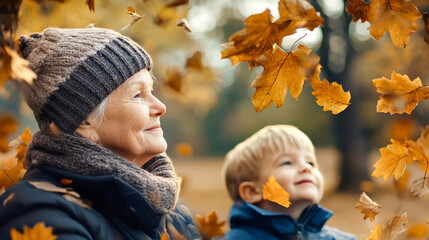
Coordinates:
[135,17]
[418,230]
[399,94]
[301,12]
[91,5]
[50,187]
[392,161]
[331,96]
[11,173]
[65,181]
[8,125]
[274,192]
[376,234]
[426,20]
[195,62]
[282,71]
[420,186]
[210,225]
[395,16]
[21,144]
[395,227]
[15,67]
[38,232]
[174,80]
[367,207]
[183,149]
[182,22]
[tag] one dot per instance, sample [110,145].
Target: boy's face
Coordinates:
[297,172]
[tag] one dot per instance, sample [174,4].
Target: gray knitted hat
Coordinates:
[76,69]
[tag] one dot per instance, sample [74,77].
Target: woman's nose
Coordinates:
[158,108]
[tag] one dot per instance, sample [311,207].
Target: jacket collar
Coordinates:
[311,220]
[118,201]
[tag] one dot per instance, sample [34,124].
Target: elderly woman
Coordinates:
[96,167]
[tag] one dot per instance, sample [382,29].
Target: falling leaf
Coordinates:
[399,94]
[392,161]
[50,187]
[174,79]
[420,186]
[11,172]
[91,5]
[135,17]
[426,20]
[183,149]
[301,12]
[210,225]
[367,207]
[15,67]
[331,96]
[282,71]
[21,144]
[177,3]
[274,192]
[395,16]
[182,22]
[38,232]
[65,181]
[195,62]
[8,125]
[164,236]
[418,230]
[395,227]
[376,233]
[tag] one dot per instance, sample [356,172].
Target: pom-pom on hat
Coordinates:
[76,69]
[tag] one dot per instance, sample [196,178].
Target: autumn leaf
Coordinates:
[15,67]
[134,19]
[210,225]
[174,79]
[376,234]
[426,20]
[177,3]
[331,96]
[65,181]
[282,71]
[418,230]
[164,236]
[395,227]
[302,14]
[183,149]
[395,16]
[182,22]
[420,186]
[367,207]
[392,161]
[8,125]
[38,232]
[399,94]
[91,5]
[274,192]
[195,61]
[21,144]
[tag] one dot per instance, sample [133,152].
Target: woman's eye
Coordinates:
[137,95]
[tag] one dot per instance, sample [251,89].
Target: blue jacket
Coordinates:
[248,221]
[107,209]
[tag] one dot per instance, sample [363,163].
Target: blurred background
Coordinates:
[209,108]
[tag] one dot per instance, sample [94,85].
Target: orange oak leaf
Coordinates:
[420,186]
[8,125]
[274,192]
[395,227]
[399,94]
[260,35]
[331,96]
[395,16]
[376,234]
[210,225]
[392,161]
[426,20]
[91,5]
[195,61]
[367,207]
[14,66]
[135,17]
[418,230]
[38,232]
[282,71]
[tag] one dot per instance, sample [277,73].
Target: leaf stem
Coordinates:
[297,41]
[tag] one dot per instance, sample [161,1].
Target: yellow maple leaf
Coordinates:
[395,16]
[210,225]
[367,207]
[21,144]
[274,192]
[8,125]
[282,71]
[38,232]
[392,161]
[399,94]
[301,12]
[14,66]
[376,233]
[331,96]
[418,230]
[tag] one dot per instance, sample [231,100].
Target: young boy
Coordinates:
[286,153]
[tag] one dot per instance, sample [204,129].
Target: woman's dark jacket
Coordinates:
[86,207]
[250,222]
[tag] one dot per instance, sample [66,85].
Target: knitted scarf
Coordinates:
[156,180]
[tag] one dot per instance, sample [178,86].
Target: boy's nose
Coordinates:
[305,168]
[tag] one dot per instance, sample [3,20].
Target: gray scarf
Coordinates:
[156,180]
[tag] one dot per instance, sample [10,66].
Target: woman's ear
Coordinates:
[88,130]
[250,192]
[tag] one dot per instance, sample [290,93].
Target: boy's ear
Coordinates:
[88,131]
[250,192]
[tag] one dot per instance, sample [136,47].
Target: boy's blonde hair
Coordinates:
[243,162]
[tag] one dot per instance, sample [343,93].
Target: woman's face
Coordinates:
[131,125]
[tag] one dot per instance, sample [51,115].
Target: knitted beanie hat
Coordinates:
[76,69]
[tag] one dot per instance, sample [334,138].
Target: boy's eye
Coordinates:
[286,163]
[312,163]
